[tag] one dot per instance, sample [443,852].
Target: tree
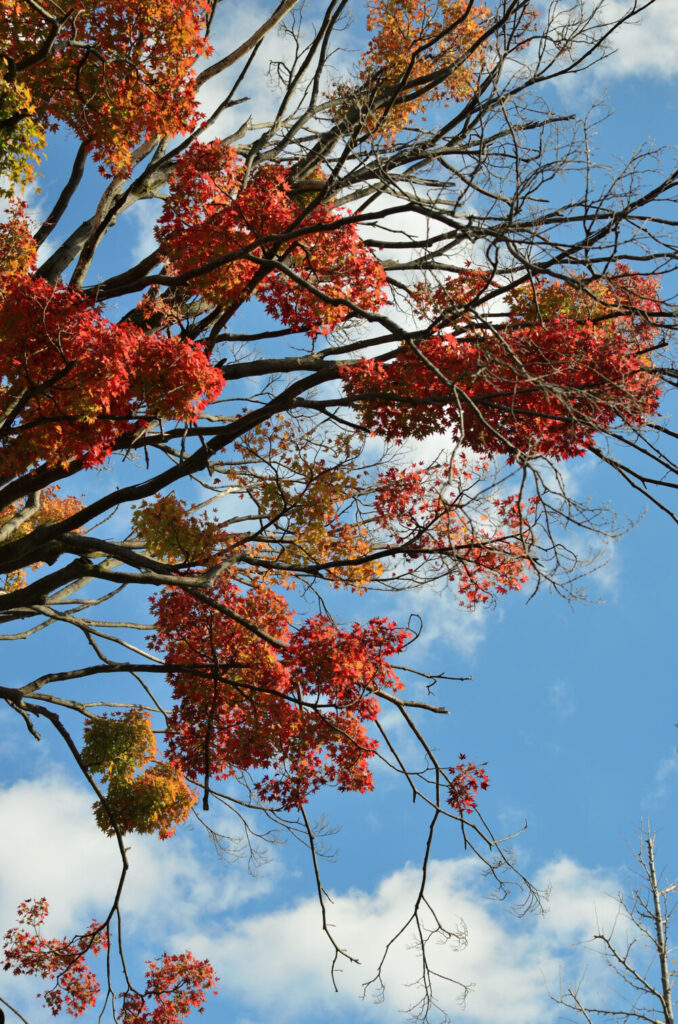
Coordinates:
[637,950]
[413,277]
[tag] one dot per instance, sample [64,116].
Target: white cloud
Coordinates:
[647,45]
[146,215]
[445,620]
[665,777]
[513,963]
[580,898]
[278,961]
[54,849]
[234,24]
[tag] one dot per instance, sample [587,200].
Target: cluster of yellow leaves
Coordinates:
[317,177]
[172,533]
[140,798]
[21,137]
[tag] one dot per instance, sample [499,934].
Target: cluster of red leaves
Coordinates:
[117,72]
[17,246]
[467,779]
[210,210]
[155,311]
[294,711]
[175,984]
[62,960]
[489,547]
[559,369]
[338,672]
[73,382]
[414,39]
[142,796]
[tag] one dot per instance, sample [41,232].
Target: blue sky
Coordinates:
[572,706]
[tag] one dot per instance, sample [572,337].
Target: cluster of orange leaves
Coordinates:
[21,519]
[570,359]
[144,794]
[426,51]
[309,497]
[117,73]
[176,984]
[215,218]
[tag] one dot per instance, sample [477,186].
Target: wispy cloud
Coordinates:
[561,699]
[666,777]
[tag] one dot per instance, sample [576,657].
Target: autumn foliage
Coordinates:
[117,73]
[19,520]
[467,778]
[214,216]
[411,40]
[289,706]
[22,137]
[73,382]
[62,961]
[492,547]
[144,793]
[568,361]
[174,985]
[177,984]
[265,389]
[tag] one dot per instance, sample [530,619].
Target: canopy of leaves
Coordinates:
[367,340]
[117,73]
